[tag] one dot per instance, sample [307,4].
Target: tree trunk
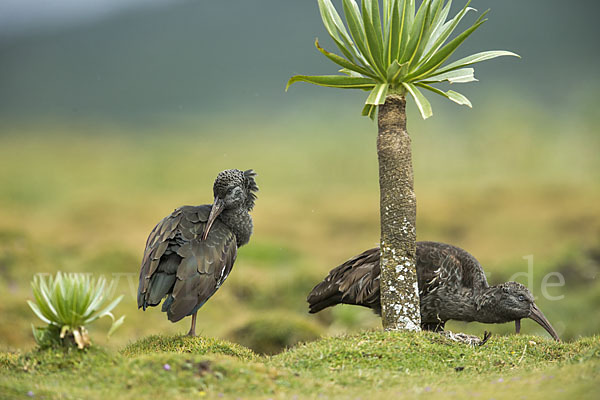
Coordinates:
[398,208]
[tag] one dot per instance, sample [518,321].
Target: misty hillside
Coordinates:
[201,56]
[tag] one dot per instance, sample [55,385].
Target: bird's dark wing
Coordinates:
[354,282]
[160,239]
[357,280]
[178,264]
[444,264]
[436,266]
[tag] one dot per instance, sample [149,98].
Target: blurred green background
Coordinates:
[112,117]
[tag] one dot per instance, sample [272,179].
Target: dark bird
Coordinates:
[452,285]
[190,253]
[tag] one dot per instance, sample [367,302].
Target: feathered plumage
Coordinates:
[452,285]
[191,252]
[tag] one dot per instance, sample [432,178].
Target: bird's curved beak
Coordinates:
[538,316]
[217,207]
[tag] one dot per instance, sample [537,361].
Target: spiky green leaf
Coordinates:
[328,15]
[394,72]
[410,12]
[115,325]
[373,33]
[344,62]
[337,81]
[388,6]
[348,72]
[357,32]
[369,110]
[105,311]
[443,32]
[462,75]
[437,23]
[404,27]
[42,298]
[378,94]
[422,103]
[373,12]
[459,98]
[391,29]
[475,58]
[416,33]
[38,312]
[450,94]
[435,9]
[444,53]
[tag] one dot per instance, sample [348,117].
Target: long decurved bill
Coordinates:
[216,209]
[538,316]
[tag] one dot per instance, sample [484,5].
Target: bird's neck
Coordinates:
[240,223]
[486,304]
[458,305]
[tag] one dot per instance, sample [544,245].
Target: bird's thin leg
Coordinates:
[433,327]
[518,325]
[192,331]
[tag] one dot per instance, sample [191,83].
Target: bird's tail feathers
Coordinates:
[325,294]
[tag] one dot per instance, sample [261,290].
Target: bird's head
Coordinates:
[514,301]
[233,189]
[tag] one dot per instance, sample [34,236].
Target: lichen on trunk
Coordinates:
[398,208]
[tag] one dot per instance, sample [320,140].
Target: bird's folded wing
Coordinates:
[360,280]
[156,245]
[204,265]
[354,282]
[444,264]
[430,259]
[473,275]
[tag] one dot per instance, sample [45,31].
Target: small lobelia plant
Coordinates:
[68,303]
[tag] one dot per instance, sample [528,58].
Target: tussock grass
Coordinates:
[368,365]
[428,352]
[185,344]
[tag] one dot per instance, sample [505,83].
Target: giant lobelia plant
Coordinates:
[393,52]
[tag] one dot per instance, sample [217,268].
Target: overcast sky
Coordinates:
[18,16]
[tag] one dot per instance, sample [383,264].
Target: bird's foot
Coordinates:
[191,333]
[468,339]
[486,336]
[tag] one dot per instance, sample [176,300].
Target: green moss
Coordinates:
[426,351]
[50,360]
[9,360]
[368,365]
[186,344]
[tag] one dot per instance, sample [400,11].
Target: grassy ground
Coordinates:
[366,365]
[84,198]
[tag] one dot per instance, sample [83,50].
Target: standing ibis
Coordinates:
[452,285]
[190,253]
